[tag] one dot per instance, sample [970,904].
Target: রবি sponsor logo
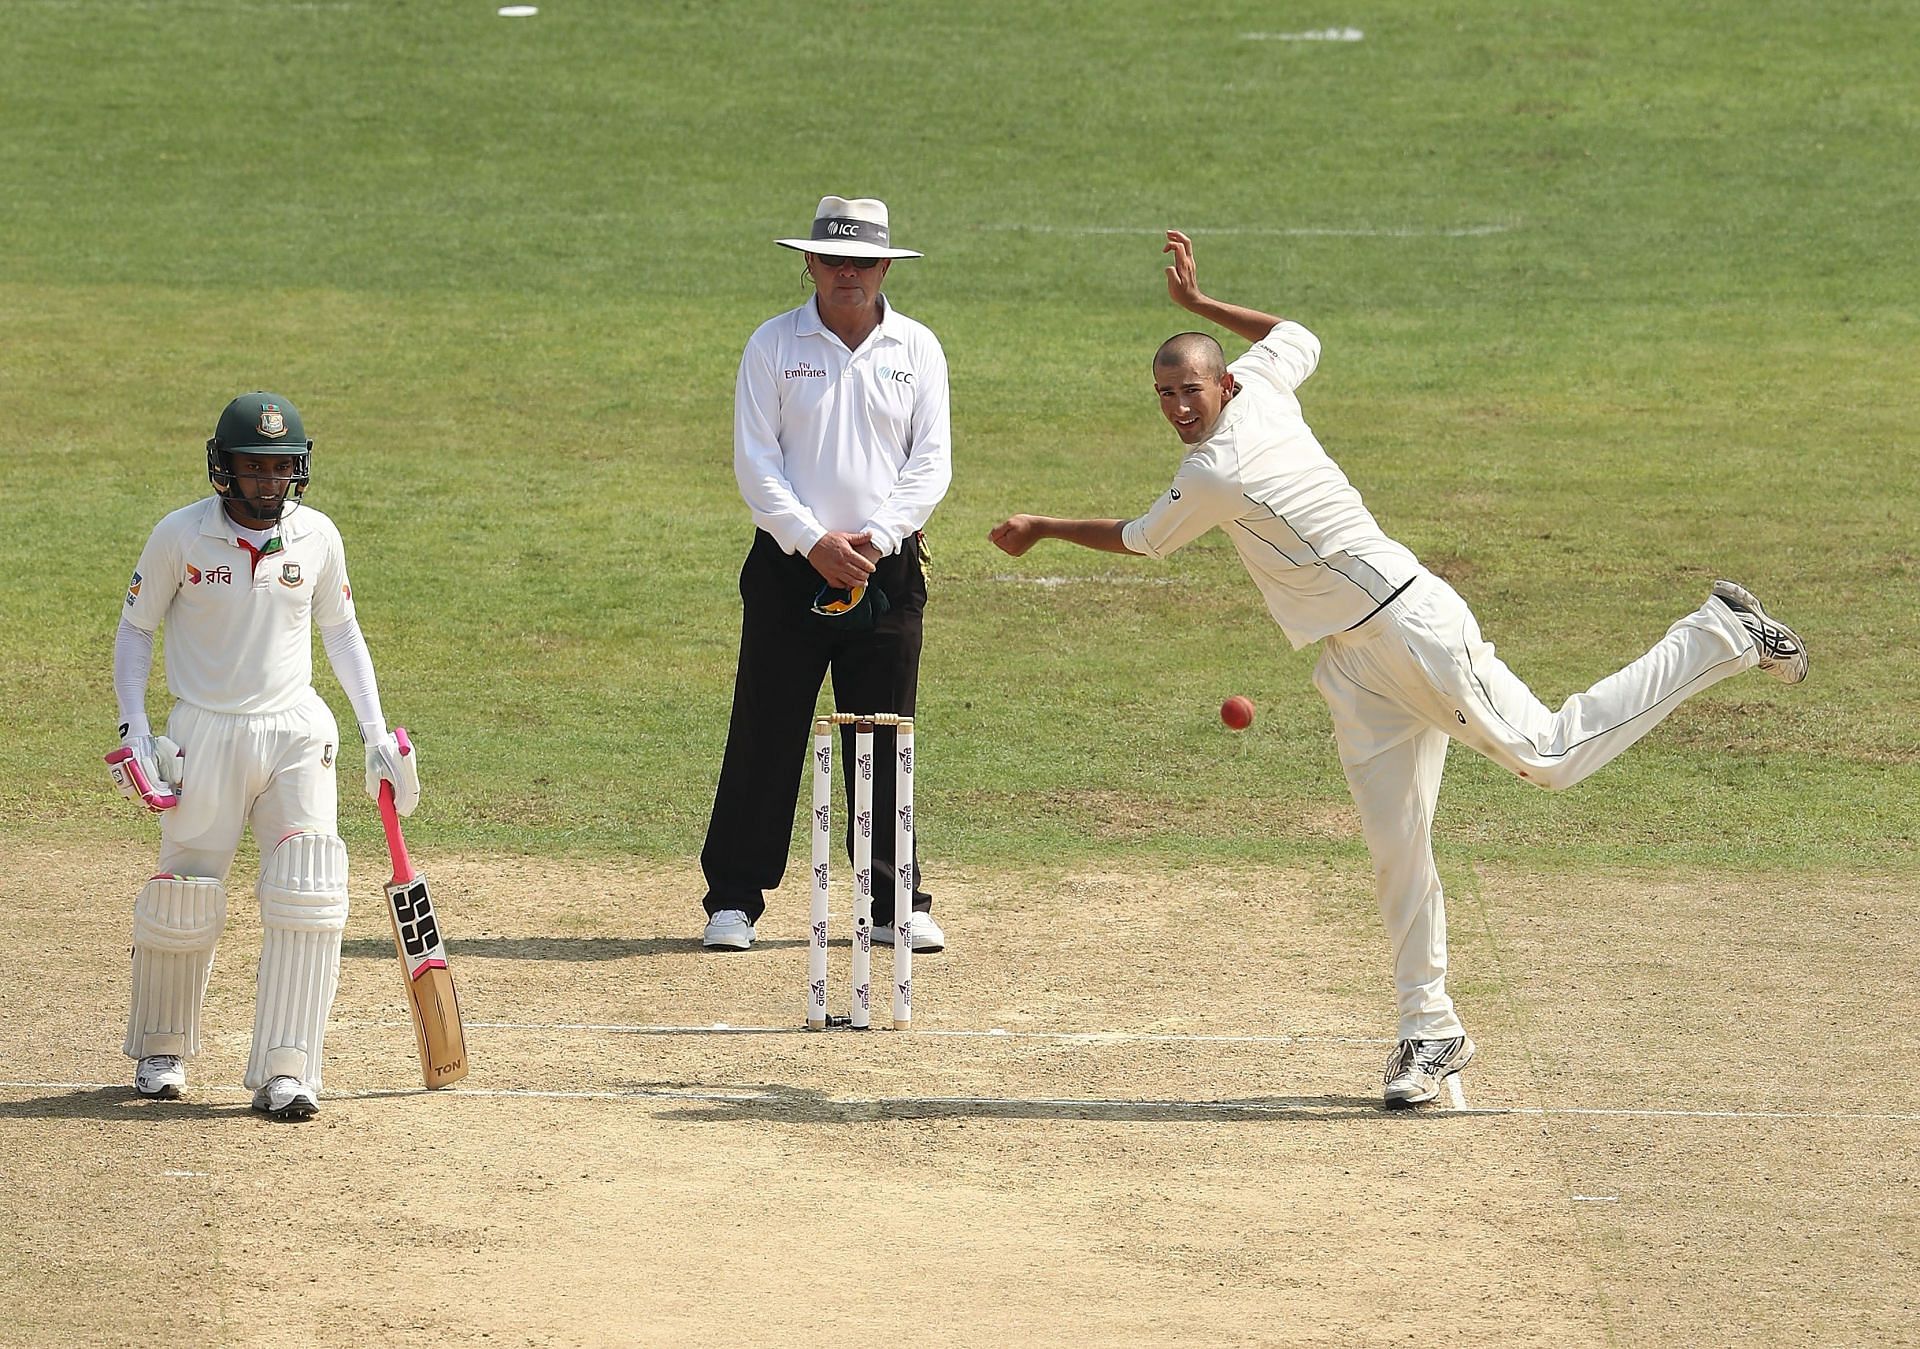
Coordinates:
[804,371]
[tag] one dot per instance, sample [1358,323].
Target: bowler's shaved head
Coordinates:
[1191,351]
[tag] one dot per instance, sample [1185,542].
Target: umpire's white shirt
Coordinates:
[239,625]
[1308,541]
[830,439]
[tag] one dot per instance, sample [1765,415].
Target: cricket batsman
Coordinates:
[239,580]
[1403,667]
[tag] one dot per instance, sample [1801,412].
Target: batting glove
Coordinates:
[389,761]
[148,769]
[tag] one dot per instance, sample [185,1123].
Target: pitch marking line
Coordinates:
[1271,1107]
[995,1033]
[1648,1112]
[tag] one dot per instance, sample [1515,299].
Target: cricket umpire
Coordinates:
[842,449]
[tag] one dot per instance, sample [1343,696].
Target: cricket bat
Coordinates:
[423,955]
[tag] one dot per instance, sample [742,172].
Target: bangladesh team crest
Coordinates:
[289,573]
[273,422]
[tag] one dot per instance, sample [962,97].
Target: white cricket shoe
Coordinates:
[1781,654]
[1416,1068]
[926,933]
[159,1077]
[728,930]
[286,1098]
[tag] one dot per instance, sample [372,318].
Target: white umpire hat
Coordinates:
[846,228]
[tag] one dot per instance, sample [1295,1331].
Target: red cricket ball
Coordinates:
[1237,712]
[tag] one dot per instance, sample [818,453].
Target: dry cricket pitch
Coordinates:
[1137,1109]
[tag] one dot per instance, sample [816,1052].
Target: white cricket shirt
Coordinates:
[239,624]
[1308,541]
[830,439]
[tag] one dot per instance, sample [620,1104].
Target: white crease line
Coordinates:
[1596,1198]
[1650,1113]
[1274,231]
[1456,1093]
[995,1033]
[1072,1102]
[756,1097]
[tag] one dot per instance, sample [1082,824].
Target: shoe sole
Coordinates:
[1737,597]
[290,1114]
[166,1093]
[727,945]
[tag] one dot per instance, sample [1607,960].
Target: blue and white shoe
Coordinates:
[1416,1068]
[1781,654]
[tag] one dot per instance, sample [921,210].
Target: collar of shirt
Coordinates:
[810,324]
[215,523]
[1228,421]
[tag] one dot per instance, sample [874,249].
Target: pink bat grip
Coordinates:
[390,819]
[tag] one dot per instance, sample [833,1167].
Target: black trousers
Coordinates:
[786,651]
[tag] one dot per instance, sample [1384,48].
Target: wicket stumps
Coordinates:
[861,828]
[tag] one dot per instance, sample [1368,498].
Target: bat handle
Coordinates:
[396,845]
[390,817]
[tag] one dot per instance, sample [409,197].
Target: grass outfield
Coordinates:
[1614,300]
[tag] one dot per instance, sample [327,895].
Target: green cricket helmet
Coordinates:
[259,423]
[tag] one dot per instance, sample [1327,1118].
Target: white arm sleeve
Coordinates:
[1283,358]
[132,667]
[923,482]
[758,463]
[1197,501]
[353,667]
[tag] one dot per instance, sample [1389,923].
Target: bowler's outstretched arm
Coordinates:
[1016,534]
[1183,288]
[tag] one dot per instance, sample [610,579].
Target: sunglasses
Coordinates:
[830,602]
[836,263]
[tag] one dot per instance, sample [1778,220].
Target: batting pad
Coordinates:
[303,911]
[176,922]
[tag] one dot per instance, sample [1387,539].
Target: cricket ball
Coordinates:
[1237,712]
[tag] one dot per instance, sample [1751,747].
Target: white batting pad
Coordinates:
[303,911]
[176,922]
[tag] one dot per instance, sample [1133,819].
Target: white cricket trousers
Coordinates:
[1417,674]
[271,769]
